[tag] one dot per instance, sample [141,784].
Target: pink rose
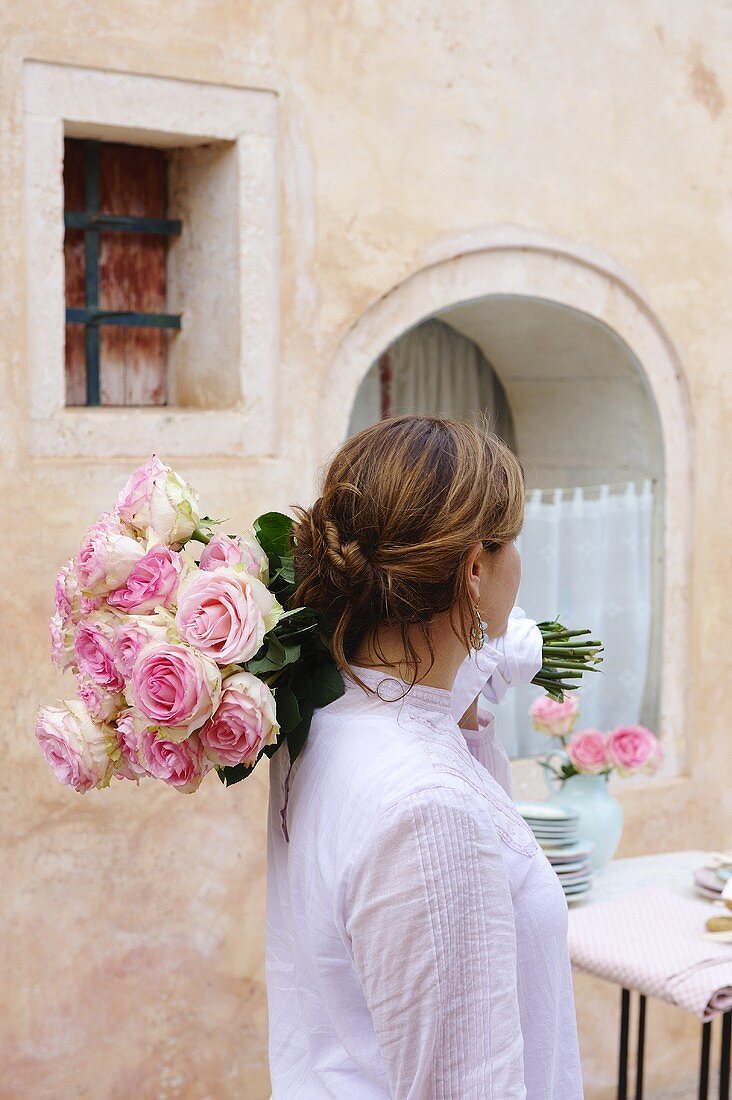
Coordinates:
[99,703]
[225,614]
[555,719]
[175,687]
[62,643]
[155,499]
[67,593]
[634,749]
[74,746]
[254,559]
[221,550]
[87,605]
[107,557]
[180,764]
[240,550]
[132,636]
[95,656]
[152,582]
[587,750]
[129,765]
[245,721]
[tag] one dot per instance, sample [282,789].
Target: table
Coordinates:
[674,871]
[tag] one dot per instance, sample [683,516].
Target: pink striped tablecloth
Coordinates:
[651,940]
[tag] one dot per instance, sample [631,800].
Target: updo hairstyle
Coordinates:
[403,503]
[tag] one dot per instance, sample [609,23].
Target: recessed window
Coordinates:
[153,255]
[117,230]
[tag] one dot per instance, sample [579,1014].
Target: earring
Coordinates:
[478,630]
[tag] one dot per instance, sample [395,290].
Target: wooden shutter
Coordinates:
[132,181]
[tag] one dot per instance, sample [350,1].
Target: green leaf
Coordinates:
[297,737]
[231,775]
[287,636]
[326,685]
[258,666]
[301,611]
[285,572]
[276,652]
[273,533]
[288,710]
[288,570]
[292,654]
[273,659]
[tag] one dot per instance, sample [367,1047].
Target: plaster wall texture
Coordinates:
[132,945]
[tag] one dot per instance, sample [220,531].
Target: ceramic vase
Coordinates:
[600,813]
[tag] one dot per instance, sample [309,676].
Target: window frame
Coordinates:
[65,101]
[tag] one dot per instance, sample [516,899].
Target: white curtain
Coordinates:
[435,371]
[587,561]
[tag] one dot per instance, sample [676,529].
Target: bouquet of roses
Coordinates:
[185,658]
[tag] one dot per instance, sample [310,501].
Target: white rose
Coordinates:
[75,746]
[156,500]
[107,557]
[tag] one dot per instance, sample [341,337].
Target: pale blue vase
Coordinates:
[600,813]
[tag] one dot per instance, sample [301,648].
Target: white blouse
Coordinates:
[416,934]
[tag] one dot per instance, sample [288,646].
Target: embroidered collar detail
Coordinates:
[391,689]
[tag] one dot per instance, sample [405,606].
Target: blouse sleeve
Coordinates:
[429,914]
[501,663]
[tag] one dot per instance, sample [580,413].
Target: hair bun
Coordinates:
[341,564]
[347,560]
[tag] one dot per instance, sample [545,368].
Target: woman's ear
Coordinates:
[473,569]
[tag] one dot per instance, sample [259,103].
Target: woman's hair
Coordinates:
[403,503]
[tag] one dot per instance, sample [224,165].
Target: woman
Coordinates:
[416,934]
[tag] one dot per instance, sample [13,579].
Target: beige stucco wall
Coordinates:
[132,945]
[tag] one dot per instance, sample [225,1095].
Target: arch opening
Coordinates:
[569,397]
[596,394]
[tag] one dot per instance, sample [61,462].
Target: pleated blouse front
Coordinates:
[416,934]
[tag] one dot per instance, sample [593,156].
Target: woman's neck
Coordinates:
[384,651]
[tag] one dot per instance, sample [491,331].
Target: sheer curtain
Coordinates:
[587,560]
[433,370]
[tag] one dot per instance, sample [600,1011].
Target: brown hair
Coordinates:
[402,504]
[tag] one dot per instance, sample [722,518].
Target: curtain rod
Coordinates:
[616,486]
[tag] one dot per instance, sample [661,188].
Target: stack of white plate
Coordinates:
[556,829]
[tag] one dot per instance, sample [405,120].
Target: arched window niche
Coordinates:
[594,392]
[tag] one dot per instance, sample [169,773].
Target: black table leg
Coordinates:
[704,1063]
[724,1059]
[640,1054]
[623,1054]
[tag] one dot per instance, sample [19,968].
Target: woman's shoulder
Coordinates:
[363,763]
[374,755]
